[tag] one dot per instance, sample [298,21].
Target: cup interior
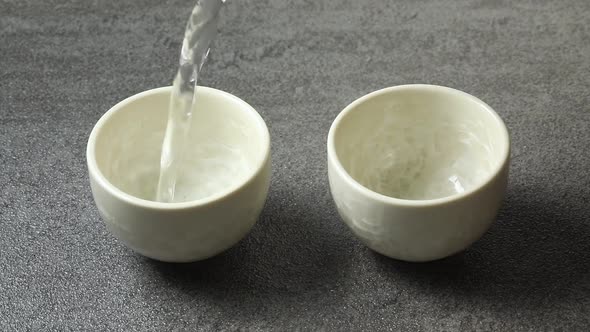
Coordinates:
[227,145]
[419,142]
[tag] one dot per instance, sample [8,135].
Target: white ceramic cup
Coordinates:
[123,157]
[418,172]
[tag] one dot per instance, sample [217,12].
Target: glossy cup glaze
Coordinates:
[418,172]
[129,137]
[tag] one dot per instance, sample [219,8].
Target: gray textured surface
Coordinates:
[64,63]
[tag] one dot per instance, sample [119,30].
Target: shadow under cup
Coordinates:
[418,171]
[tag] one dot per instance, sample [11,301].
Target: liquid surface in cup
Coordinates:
[416,152]
[200,32]
[207,169]
[224,147]
[206,172]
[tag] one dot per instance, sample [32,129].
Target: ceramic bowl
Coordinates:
[418,172]
[229,142]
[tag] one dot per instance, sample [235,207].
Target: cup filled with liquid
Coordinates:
[222,178]
[418,172]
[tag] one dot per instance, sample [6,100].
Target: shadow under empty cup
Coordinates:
[222,183]
[418,172]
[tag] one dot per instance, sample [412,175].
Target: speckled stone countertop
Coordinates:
[63,63]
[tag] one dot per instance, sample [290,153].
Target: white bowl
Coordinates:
[123,163]
[418,172]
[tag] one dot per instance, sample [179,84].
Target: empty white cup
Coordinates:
[229,142]
[418,172]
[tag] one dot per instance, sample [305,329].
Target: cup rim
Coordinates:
[335,161]
[95,172]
